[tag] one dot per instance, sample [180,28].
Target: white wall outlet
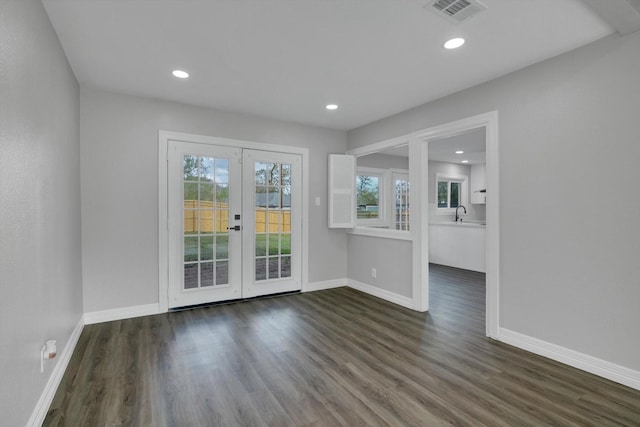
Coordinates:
[48,351]
[374,273]
[317,201]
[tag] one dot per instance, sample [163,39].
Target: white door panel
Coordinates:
[235,223]
[272,234]
[205,262]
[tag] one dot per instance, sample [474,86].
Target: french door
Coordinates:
[234,223]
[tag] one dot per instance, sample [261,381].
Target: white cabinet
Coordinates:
[478,182]
[458,245]
[342,187]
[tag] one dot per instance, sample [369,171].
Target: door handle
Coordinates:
[236,228]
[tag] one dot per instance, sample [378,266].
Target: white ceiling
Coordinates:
[286,59]
[473,143]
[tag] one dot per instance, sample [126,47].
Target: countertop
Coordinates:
[463,223]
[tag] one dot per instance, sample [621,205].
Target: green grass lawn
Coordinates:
[222,246]
[261,244]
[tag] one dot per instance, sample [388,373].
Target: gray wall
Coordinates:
[569,272]
[120,189]
[383,161]
[391,258]
[40,276]
[367,252]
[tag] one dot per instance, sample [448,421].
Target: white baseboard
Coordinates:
[381,293]
[325,284]
[40,411]
[582,361]
[121,313]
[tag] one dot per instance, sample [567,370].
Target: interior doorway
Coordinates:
[457,225]
[457,200]
[420,174]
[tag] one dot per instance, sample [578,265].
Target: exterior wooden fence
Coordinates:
[215,216]
[275,220]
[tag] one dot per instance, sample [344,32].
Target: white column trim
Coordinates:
[421,271]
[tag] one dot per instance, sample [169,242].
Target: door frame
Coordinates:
[418,143]
[419,173]
[250,287]
[163,182]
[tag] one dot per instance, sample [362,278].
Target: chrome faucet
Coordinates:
[457,216]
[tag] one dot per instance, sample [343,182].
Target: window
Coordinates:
[373,208]
[451,191]
[448,194]
[401,207]
[370,196]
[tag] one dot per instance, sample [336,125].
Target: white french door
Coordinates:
[272,236]
[234,223]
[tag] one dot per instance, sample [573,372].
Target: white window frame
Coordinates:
[384,178]
[464,191]
[402,174]
[384,232]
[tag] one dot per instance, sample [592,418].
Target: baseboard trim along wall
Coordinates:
[363,287]
[40,411]
[325,284]
[587,363]
[121,313]
[381,293]
[150,309]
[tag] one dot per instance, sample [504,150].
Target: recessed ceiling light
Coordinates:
[459,152]
[180,74]
[331,107]
[465,161]
[454,43]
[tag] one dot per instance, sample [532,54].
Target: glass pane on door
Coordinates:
[272,195]
[205,221]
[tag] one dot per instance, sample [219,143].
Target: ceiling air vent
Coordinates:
[456,10]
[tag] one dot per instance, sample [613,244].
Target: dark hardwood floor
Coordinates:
[336,357]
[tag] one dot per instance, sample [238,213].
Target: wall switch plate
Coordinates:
[317,201]
[374,273]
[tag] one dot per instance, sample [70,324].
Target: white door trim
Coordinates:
[163,182]
[419,161]
[419,218]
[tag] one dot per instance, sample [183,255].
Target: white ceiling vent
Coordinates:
[456,10]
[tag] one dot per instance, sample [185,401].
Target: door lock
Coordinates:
[236,228]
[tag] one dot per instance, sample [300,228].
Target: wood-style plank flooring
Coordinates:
[329,358]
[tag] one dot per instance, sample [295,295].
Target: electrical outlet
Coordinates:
[374,273]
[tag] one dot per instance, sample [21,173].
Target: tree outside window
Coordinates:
[367,196]
[449,193]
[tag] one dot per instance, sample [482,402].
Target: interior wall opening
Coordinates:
[455,167]
[382,189]
[457,216]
